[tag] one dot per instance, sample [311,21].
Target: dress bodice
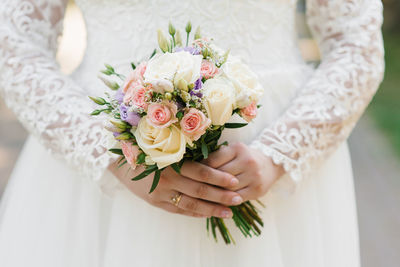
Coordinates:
[263,33]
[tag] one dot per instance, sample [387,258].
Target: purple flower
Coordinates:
[130,117]
[119,96]
[191,50]
[198,84]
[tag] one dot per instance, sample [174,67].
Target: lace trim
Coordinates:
[326,110]
[50,105]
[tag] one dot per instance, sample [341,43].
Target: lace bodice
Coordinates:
[54,107]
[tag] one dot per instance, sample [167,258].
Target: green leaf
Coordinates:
[96,112]
[106,72]
[98,100]
[124,136]
[145,173]
[116,151]
[179,115]
[156,179]
[133,66]
[109,67]
[141,158]
[176,168]
[225,143]
[204,149]
[122,164]
[153,54]
[234,125]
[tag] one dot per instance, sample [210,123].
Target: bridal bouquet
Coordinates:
[173,108]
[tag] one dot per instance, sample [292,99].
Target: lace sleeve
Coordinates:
[325,111]
[50,105]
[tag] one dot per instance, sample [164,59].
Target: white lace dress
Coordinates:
[62,208]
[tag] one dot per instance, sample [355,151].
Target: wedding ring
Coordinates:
[175,199]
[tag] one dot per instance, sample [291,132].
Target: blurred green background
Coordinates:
[385,107]
[374,143]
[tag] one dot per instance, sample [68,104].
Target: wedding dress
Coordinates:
[62,208]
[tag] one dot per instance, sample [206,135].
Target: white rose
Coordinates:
[161,85]
[188,66]
[248,88]
[170,66]
[219,98]
[164,146]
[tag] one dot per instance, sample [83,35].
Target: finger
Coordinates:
[207,192]
[253,192]
[203,173]
[173,209]
[203,207]
[234,167]
[220,157]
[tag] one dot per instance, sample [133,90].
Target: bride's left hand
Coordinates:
[255,171]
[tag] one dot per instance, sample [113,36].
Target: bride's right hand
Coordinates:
[200,185]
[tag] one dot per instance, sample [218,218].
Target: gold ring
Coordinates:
[175,199]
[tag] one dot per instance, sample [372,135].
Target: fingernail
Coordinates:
[237,200]
[225,214]
[234,181]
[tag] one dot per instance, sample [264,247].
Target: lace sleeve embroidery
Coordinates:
[50,105]
[326,110]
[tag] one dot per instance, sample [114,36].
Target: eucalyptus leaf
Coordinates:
[116,151]
[234,125]
[176,168]
[156,179]
[141,158]
[145,173]
[204,149]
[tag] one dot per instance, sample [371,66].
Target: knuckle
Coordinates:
[226,180]
[164,180]
[259,189]
[192,205]
[258,175]
[212,162]
[201,190]
[215,211]
[250,162]
[226,198]
[239,146]
[205,174]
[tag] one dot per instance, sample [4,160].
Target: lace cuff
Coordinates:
[326,110]
[50,105]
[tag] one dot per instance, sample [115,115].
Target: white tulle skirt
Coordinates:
[50,216]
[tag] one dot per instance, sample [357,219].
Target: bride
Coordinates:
[68,205]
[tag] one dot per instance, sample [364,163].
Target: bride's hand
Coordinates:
[198,184]
[255,171]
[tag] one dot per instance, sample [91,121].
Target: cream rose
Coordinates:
[173,67]
[219,99]
[164,146]
[248,89]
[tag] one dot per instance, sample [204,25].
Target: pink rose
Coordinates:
[135,78]
[131,152]
[250,112]
[194,124]
[208,69]
[141,68]
[161,115]
[136,96]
